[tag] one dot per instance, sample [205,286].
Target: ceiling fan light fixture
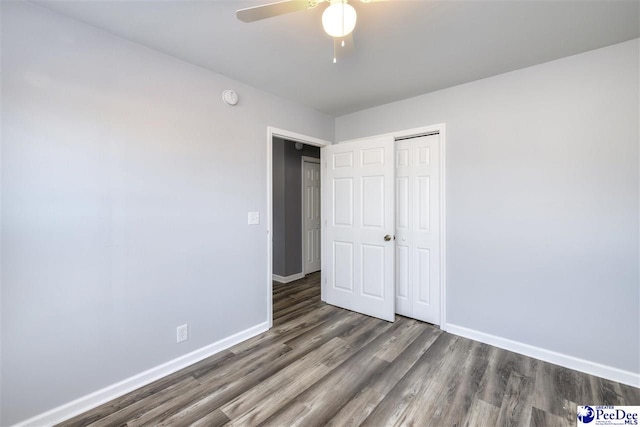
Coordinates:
[339,19]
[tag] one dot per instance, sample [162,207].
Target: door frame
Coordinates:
[440,128]
[295,137]
[304,239]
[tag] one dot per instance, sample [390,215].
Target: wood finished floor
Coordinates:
[321,365]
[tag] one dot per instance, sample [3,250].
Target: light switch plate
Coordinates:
[254,218]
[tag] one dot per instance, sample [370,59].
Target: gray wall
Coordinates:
[542,201]
[126,184]
[287,204]
[278,183]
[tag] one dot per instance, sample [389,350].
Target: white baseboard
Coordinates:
[287,279]
[95,399]
[571,362]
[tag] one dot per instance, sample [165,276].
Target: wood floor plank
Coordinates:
[368,330]
[317,333]
[340,386]
[303,309]
[599,391]
[197,413]
[327,397]
[467,382]
[357,409]
[259,403]
[540,418]
[481,413]
[396,401]
[400,340]
[130,398]
[217,388]
[405,361]
[266,404]
[241,367]
[515,409]
[282,334]
[146,404]
[435,393]
[226,386]
[213,419]
[295,298]
[630,395]
[321,365]
[295,304]
[494,382]
[556,391]
[304,292]
[294,412]
[170,408]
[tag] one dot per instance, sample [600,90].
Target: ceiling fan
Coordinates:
[338,19]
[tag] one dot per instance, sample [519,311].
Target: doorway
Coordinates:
[296,213]
[294,217]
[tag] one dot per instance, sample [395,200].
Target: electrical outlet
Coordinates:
[182,333]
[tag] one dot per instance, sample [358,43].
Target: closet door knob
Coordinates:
[387,238]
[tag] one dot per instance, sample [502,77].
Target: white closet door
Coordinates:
[311,218]
[358,253]
[418,228]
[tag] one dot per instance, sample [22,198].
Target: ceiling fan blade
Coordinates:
[257,13]
[343,47]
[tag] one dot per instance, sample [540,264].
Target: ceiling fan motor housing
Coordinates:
[339,19]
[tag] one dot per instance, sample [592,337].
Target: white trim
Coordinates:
[97,398]
[288,279]
[290,136]
[323,224]
[571,362]
[310,159]
[304,234]
[442,129]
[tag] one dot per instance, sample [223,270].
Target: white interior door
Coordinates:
[359,226]
[311,215]
[418,228]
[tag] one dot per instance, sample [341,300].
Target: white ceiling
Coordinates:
[403,48]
